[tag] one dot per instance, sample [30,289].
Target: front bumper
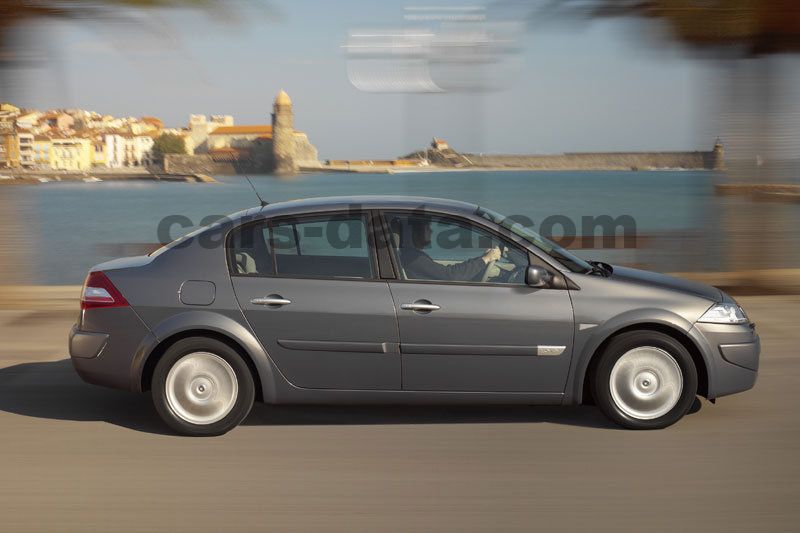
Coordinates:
[732,356]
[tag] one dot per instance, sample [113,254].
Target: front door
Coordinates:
[309,289]
[466,325]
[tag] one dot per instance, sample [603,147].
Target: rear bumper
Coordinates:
[733,353]
[102,347]
[86,345]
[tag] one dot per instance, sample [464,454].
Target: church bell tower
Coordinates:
[283,142]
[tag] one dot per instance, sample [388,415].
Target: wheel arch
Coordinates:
[145,381]
[583,392]
[204,324]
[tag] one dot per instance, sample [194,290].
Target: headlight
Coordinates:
[724,314]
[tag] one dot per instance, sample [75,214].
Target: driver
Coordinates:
[419,265]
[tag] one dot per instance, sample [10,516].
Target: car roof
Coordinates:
[335,203]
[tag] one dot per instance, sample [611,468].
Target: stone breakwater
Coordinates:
[197,164]
[598,161]
[440,154]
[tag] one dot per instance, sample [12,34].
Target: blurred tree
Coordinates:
[168,143]
[744,36]
[740,27]
[14,13]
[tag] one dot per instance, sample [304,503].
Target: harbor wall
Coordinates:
[197,164]
[600,161]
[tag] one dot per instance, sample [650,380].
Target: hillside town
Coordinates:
[77,140]
[74,139]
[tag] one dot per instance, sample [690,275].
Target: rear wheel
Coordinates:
[202,387]
[645,380]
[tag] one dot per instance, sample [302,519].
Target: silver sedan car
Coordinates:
[400,300]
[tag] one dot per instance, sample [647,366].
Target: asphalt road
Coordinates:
[74,457]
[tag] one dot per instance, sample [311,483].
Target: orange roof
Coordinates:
[265,129]
[154,121]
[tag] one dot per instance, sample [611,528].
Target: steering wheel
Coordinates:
[517,275]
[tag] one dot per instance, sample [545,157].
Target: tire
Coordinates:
[202,387]
[645,380]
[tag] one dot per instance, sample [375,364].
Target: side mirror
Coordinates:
[537,277]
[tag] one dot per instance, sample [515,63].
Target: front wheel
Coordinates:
[202,387]
[645,380]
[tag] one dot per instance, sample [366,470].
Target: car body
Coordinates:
[336,318]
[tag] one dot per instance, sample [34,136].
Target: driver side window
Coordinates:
[435,248]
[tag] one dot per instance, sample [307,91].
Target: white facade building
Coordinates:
[128,150]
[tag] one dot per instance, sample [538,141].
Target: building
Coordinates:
[42,146]
[283,146]
[127,150]
[237,137]
[115,145]
[142,150]
[5,107]
[439,144]
[270,147]
[25,142]
[147,126]
[199,129]
[58,121]
[155,124]
[242,143]
[29,120]
[71,154]
[8,112]
[9,147]
[99,151]
[291,148]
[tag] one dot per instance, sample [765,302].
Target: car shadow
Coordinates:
[54,391]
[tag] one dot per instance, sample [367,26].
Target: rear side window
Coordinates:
[250,252]
[329,247]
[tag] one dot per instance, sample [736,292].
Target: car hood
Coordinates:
[667,282]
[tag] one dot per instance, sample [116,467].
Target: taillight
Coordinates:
[98,291]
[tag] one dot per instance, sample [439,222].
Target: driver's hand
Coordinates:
[492,254]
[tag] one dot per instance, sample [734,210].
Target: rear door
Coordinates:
[309,288]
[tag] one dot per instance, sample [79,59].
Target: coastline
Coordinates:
[49,176]
[428,169]
[44,177]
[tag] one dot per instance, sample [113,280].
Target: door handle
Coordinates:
[421,305]
[272,299]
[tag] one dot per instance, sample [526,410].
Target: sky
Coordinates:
[577,86]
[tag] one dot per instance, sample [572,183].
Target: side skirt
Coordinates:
[294,395]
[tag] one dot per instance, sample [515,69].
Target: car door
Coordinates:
[496,335]
[308,286]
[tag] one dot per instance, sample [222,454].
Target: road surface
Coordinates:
[74,457]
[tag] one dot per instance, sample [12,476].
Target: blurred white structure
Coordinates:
[442,49]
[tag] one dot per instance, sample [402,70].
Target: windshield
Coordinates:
[569,260]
